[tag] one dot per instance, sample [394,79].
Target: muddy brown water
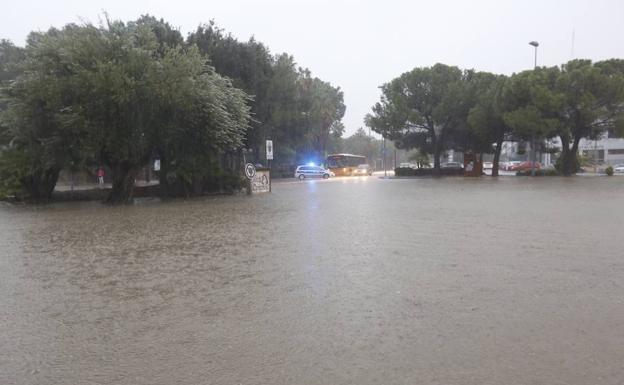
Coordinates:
[345,281]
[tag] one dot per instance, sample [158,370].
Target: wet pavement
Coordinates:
[344,281]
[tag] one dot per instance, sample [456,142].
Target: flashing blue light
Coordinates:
[311,164]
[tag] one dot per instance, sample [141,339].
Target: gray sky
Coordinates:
[359,45]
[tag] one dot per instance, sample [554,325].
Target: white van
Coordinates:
[303,172]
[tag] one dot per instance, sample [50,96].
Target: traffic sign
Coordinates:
[250,170]
[269,150]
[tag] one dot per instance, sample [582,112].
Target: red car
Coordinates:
[525,166]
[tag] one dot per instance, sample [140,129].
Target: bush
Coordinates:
[13,170]
[609,171]
[541,172]
[402,171]
[574,167]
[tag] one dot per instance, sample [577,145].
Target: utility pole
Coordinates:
[384,156]
[533,149]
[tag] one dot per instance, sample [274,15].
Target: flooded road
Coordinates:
[345,281]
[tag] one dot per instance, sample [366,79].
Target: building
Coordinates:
[607,150]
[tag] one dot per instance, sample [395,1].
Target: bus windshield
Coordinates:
[345,160]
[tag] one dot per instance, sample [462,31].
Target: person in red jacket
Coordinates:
[100,175]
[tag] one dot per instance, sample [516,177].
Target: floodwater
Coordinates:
[345,281]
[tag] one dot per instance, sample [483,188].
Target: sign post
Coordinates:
[269,156]
[259,179]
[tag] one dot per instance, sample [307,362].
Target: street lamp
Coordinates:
[533,152]
[535,44]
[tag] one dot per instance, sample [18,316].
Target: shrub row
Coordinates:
[402,171]
[541,172]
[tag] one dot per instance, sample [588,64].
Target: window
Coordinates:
[616,151]
[597,155]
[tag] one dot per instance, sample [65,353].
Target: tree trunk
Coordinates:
[563,158]
[569,156]
[436,153]
[497,153]
[124,174]
[40,185]
[573,156]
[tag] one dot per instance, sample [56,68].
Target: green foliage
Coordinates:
[404,172]
[361,144]
[119,94]
[567,164]
[114,93]
[578,100]
[420,158]
[486,117]
[585,160]
[540,172]
[10,57]
[300,113]
[439,108]
[424,109]
[13,169]
[531,107]
[609,171]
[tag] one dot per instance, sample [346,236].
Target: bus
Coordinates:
[344,164]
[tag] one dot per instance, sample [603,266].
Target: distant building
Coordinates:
[607,150]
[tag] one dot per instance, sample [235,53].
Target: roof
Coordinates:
[359,156]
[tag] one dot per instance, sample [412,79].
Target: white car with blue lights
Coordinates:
[311,171]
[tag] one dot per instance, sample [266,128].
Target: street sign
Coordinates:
[269,150]
[260,183]
[250,170]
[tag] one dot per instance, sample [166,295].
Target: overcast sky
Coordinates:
[359,45]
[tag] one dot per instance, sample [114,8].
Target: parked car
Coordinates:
[525,166]
[507,166]
[363,169]
[619,168]
[488,165]
[303,172]
[452,165]
[405,165]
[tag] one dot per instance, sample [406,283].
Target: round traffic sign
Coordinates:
[250,170]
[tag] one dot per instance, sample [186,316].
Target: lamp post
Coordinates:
[533,150]
[534,44]
[384,155]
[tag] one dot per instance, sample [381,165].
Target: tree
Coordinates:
[249,65]
[199,115]
[421,109]
[592,100]
[34,118]
[113,94]
[578,100]
[532,106]
[361,144]
[486,117]
[299,112]
[10,58]
[323,107]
